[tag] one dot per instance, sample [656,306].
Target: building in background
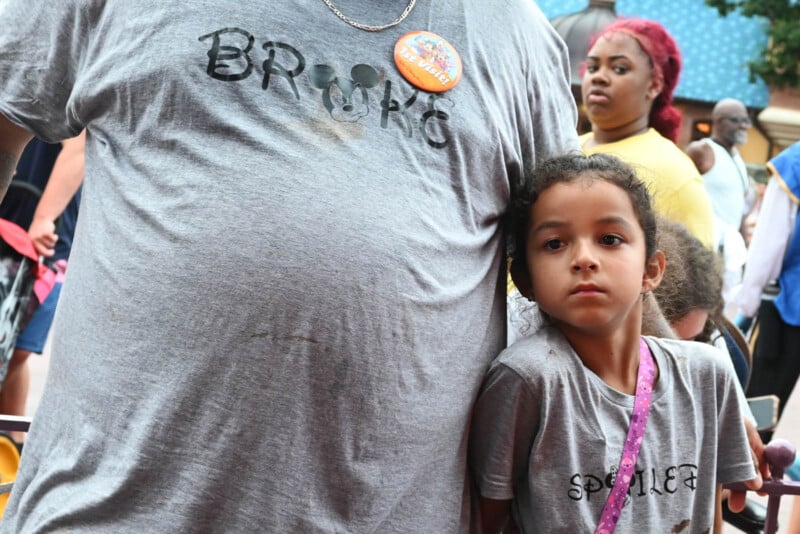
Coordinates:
[715,52]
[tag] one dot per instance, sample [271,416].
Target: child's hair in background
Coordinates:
[576,167]
[692,278]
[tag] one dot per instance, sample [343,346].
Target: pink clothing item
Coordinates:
[641,411]
[18,239]
[60,266]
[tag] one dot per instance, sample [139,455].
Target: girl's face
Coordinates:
[618,85]
[586,255]
[691,325]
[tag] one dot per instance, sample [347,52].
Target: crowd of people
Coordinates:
[56,172]
[286,307]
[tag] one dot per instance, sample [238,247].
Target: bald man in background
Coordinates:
[726,180]
[718,160]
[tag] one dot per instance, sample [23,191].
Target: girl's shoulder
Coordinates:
[693,356]
[543,351]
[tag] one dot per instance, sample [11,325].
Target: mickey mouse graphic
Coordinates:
[346,99]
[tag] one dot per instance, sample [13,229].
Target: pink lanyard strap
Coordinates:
[641,411]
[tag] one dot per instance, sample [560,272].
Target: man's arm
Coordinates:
[767,247]
[65,179]
[13,139]
[702,156]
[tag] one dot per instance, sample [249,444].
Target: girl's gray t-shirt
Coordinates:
[549,434]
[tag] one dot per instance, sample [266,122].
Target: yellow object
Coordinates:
[9,465]
[671,177]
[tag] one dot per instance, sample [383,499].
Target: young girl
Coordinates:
[550,433]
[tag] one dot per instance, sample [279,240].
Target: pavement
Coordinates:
[788,428]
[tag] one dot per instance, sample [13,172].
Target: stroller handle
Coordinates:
[780,454]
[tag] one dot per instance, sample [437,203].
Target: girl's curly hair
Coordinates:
[692,278]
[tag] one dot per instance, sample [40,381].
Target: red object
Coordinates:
[18,239]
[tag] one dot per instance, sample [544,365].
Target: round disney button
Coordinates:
[427,61]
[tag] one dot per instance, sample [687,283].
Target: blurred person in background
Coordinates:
[771,284]
[57,170]
[725,178]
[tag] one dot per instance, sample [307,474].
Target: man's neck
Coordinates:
[723,144]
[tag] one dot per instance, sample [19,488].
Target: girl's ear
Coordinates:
[522,278]
[653,271]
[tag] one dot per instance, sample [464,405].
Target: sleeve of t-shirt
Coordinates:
[504,423]
[724,356]
[734,461]
[40,44]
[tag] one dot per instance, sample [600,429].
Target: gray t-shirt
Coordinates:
[549,433]
[286,281]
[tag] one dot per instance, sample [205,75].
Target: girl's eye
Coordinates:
[591,68]
[552,244]
[619,69]
[610,239]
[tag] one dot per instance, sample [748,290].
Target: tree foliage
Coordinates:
[780,64]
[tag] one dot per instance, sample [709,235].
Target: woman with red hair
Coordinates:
[630,73]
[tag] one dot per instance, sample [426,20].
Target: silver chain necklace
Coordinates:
[367,27]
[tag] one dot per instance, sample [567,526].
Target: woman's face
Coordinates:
[618,85]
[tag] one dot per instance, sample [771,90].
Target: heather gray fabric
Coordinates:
[550,432]
[285,288]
